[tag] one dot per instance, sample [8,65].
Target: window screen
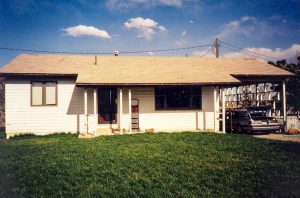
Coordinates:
[50,93]
[37,94]
[43,93]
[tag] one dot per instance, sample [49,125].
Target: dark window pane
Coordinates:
[159,102]
[184,97]
[160,91]
[196,102]
[196,90]
[178,98]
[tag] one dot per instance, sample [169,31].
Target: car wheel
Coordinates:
[239,129]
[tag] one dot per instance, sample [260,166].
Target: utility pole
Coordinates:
[217,44]
[95,59]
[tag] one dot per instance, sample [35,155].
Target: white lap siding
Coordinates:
[66,116]
[169,120]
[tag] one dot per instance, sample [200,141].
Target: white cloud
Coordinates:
[244,26]
[83,30]
[191,22]
[162,28]
[146,28]
[129,4]
[257,30]
[184,33]
[278,53]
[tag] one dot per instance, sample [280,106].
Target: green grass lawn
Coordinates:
[149,165]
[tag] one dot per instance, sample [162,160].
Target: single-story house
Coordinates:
[85,94]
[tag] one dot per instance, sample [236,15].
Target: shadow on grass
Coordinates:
[289,147]
[2,133]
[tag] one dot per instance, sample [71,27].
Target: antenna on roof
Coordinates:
[95,59]
[116,52]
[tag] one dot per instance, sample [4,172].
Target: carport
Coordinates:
[254,91]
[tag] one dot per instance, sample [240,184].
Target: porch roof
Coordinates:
[130,70]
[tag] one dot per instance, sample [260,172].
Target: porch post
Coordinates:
[129,108]
[95,107]
[223,111]
[121,110]
[85,101]
[284,104]
[85,110]
[95,102]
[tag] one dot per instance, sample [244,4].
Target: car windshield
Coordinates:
[243,114]
[258,113]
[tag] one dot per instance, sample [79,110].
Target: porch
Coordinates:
[104,111]
[120,110]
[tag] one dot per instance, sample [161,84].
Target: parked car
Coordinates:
[252,119]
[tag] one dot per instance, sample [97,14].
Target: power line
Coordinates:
[252,55]
[210,49]
[164,50]
[237,50]
[258,54]
[50,52]
[93,53]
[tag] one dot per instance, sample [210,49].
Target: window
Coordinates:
[50,89]
[43,93]
[36,93]
[173,98]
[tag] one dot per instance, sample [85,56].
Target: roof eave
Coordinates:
[156,84]
[5,74]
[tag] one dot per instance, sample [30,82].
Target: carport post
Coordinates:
[223,111]
[284,105]
[95,106]
[216,107]
[85,110]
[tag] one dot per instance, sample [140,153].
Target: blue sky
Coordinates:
[270,27]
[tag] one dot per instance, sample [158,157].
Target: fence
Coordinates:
[293,122]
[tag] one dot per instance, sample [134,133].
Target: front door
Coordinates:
[107,106]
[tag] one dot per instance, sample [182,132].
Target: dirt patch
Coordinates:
[282,137]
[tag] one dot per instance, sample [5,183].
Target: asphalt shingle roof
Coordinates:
[142,70]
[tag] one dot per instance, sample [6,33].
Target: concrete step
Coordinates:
[86,135]
[104,131]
